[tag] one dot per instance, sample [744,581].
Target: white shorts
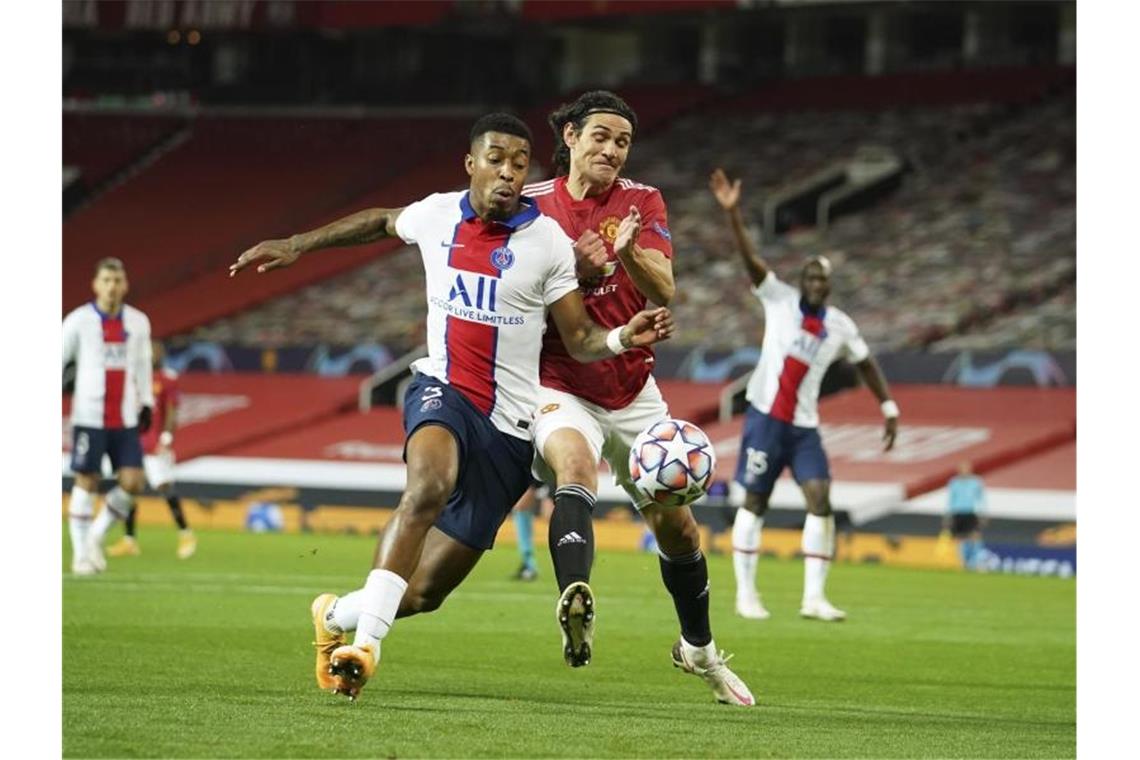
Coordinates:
[159,468]
[610,433]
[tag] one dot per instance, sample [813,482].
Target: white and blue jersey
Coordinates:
[489,285]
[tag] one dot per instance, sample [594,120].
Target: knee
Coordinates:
[577,467]
[819,505]
[756,503]
[87,482]
[426,495]
[419,600]
[678,535]
[132,482]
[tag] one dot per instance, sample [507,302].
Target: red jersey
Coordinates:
[165,392]
[612,299]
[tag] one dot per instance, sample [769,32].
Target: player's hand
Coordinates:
[727,193]
[627,232]
[648,327]
[590,253]
[890,431]
[268,254]
[146,414]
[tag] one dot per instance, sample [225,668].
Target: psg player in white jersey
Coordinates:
[803,335]
[495,268]
[593,412]
[109,342]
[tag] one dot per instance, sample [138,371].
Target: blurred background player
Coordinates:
[802,337]
[965,508]
[109,342]
[158,461]
[527,508]
[590,412]
[494,267]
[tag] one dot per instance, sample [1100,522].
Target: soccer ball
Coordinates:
[671,462]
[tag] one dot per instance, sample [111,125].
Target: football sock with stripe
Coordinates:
[79,511]
[116,506]
[524,527]
[818,546]
[745,550]
[572,534]
[687,579]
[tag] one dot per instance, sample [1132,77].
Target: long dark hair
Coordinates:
[576,113]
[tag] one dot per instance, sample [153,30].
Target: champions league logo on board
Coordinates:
[502,258]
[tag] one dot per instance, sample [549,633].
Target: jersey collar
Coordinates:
[527,213]
[104,315]
[589,200]
[806,308]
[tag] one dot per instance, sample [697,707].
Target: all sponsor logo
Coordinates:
[475,292]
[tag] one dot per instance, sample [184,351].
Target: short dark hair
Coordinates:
[112,263]
[501,122]
[595,101]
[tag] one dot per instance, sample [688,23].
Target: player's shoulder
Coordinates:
[539,189]
[135,315]
[442,200]
[840,318]
[633,188]
[81,313]
[169,374]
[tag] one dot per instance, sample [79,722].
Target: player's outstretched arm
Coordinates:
[355,229]
[650,269]
[728,196]
[872,375]
[587,341]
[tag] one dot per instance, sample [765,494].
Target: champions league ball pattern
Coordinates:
[671,462]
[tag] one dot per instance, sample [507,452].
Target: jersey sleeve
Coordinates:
[773,289]
[70,338]
[562,278]
[410,220]
[144,371]
[855,348]
[655,225]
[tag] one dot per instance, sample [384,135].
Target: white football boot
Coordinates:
[95,556]
[83,566]
[751,607]
[712,667]
[821,609]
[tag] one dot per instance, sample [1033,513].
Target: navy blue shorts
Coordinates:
[767,446]
[494,468]
[88,445]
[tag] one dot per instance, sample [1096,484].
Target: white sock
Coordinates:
[745,551]
[116,506]
[818,546]
[345,614]
[380,600]
[79,511]
[701,656]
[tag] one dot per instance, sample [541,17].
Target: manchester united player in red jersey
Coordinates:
[158,461]
[587,412]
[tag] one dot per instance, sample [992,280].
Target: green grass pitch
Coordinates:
[211,657]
